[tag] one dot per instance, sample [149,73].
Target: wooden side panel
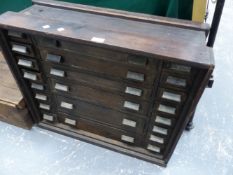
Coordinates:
[11,99]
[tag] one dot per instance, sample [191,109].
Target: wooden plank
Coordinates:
[168,43]
[9,91]
[12,105]
[102,142]
[125,15]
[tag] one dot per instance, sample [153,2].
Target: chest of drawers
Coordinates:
[128,85]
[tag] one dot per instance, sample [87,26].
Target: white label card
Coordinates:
[98,40]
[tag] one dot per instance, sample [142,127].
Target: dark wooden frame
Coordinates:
[80,135]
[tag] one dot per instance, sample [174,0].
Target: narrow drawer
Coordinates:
[42,97]
[130,89]
[108,69]
[35,86]
[18,36]
[156,140]
[167,108]
[178,68]
[32,76]
[171,95]
[22,49]
[163,121]
[120,120]
[176,81]
[100,97]
[27,62]
[102,130]
[97,52]
[49,117]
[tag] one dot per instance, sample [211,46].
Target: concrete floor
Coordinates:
[206,150]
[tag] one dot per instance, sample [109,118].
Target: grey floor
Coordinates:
[206,150]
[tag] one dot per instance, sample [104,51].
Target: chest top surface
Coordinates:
[155,40]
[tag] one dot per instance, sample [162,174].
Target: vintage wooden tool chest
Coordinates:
[121,80]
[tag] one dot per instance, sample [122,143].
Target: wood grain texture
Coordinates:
[12,106]
[86,64]
[168,43]
[124,14]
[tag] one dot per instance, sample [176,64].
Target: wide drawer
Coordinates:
[100,97]
[124,88]
[52,45]
[118,119]
[117,71]
[101,129]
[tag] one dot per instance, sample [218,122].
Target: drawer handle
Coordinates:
[70,121]
[176,81]
[56,72]
[66,105]
[139,61]
[41,97]
[37,86]
[129,122]
[133,91]
[160,130]
[135,76]
[130,105]
[44,106]
[16,34]
[156,139]
[153,148]
[19,48]
[179,67]
[171,96]
[25,63]
[54,58]
[30,76]
[167,109]
[61,87]
[127,138]
[48,117]
[163,120]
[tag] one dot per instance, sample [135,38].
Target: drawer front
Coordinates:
[175,81]
[121,120]
[172,96]
[51,45]
[100,97]
[22,49]
[27,63]
[18,36]
[32,76]
[127,89]
[108,69]
[100,129]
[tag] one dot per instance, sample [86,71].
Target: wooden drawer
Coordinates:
[52,46]
[172,96]
[179,68]
[118,71]
[167,108]
[101,129]
[163,120]
[176,81]
[100,97]
[18,36]
[42,96]
[118,119]
[38,87]
[27,63]
[32,76]
[22,49]
[124,88]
